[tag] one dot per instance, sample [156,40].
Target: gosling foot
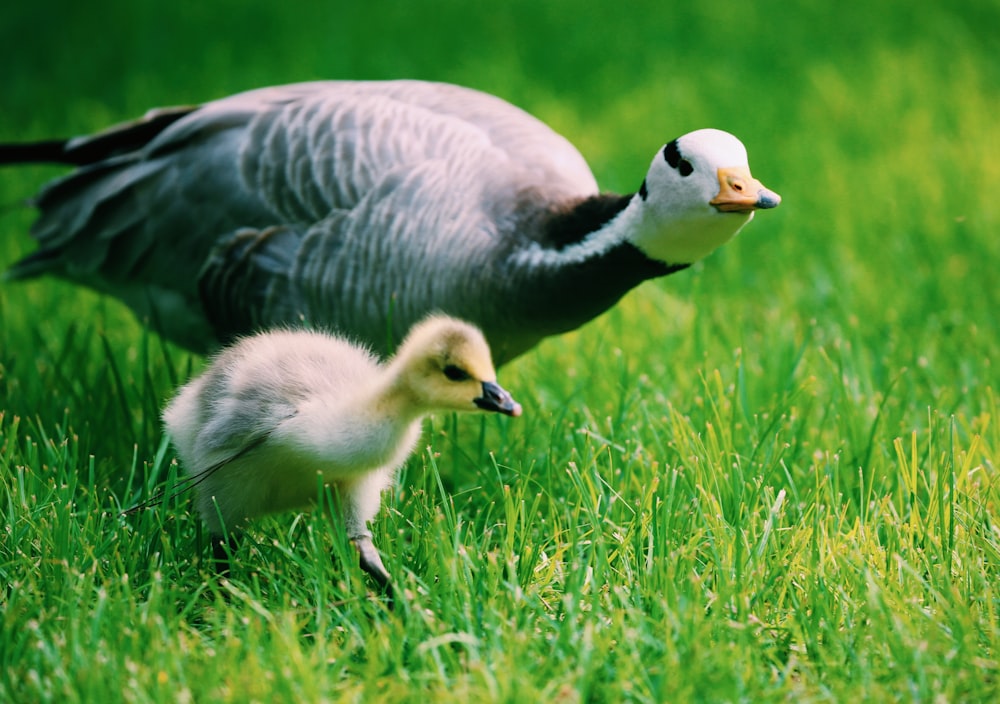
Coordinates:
[371,562]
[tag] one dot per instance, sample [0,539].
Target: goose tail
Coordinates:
[80,151]
[50,151]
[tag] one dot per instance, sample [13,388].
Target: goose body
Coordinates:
[278,414]
[362,206]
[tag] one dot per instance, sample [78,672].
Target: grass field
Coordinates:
[772,477]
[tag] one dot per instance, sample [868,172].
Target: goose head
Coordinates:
[445,364]
[697,195]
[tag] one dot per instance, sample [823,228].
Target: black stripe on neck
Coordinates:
[565,296]
[572,223]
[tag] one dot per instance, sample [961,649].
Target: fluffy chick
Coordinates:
[278,414]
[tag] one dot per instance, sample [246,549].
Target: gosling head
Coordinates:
[697,195]
[445,364]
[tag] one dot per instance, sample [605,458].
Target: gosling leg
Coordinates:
[371,562]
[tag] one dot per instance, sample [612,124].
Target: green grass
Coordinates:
[770,478]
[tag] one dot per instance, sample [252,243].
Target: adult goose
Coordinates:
[279,413]
[362,206]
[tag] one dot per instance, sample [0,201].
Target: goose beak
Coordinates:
[496,398]
[739,192]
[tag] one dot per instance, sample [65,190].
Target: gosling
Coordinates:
[280,412]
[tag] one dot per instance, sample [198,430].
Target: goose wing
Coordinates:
[197,217]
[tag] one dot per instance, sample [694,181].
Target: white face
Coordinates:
[698,193]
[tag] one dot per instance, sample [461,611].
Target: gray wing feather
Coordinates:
[388,176]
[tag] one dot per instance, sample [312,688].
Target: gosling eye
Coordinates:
[456,373]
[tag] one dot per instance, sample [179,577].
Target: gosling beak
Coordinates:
[496,398]
[739,192]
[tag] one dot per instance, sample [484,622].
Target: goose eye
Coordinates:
[456,373]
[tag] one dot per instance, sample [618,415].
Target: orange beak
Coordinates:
[739,192]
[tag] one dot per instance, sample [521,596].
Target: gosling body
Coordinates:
[279,415]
